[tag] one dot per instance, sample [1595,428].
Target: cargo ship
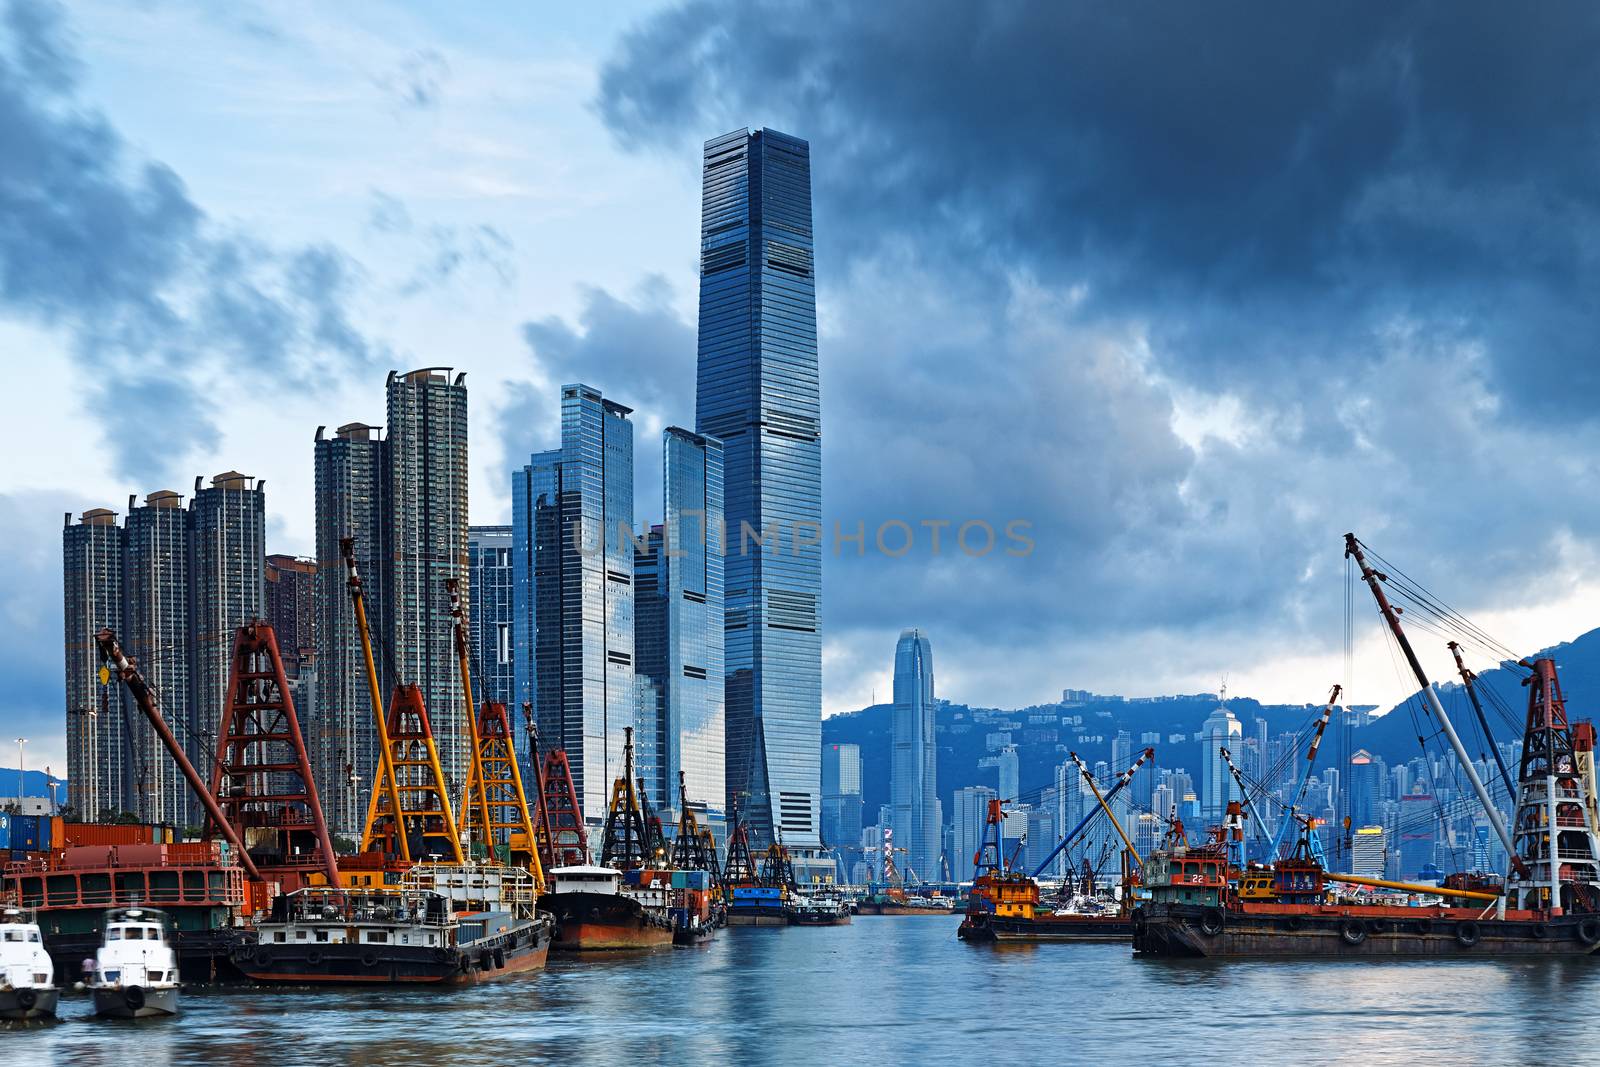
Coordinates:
[1203,905]
[595,911]
[445,924]
[821,909]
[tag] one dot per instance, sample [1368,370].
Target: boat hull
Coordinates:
[29,1003]
[810,919]
[688,937]
[759,915]
[203,955]
[134,1002]
[878,908]
[1186,930]
[983,927]
[604,922]
[519,950]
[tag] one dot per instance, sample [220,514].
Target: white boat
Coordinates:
[135,971]
[27,977]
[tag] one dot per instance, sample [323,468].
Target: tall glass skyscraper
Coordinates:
[913,780]
[757,392]
[679,633]
[572,557]
[493,609]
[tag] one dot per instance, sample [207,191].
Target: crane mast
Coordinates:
[1122,781]
[1287,817]
[1391,615]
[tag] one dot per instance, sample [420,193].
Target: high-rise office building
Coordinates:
[97,763]
[490,622]
[1009,774]
[155,614]
[841,793]
[1221,730]
[913,781]
[350,490]
[757,392]
[967,818]
[425,538]
[572,520]
[1368,854]
[1070,792]
[678,592]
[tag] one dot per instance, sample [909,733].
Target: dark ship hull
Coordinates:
[1267,931]
[986,927]
[605,922]
[518,950]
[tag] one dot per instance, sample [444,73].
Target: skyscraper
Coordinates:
[227,562]
[490,623]
[841,794]
[351,489]
[971,809]
[913,780]
[425,533]
[678,634]
[92,599]
[290,609]
[155,614]
[1221,730]
[572,517]
[1009,771]
[758,393]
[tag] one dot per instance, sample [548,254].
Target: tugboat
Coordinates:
[27,976]
[1550,905]
[624,902]
[445,924]
[135,971]
[825,908]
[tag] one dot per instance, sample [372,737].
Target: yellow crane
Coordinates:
[409,795]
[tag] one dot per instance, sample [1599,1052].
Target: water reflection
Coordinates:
[884,989]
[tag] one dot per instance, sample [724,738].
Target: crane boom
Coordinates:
[112,656]
[1467,679]
[1286,817]
[474,795]
[1352,548]
[1107,808]
[1122,781]
[347,548]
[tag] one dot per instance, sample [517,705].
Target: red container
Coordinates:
[87,856]
[142,855]
[194,852]
[95,833]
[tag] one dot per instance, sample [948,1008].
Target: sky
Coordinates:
[1186,291]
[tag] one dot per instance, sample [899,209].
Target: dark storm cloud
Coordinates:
[1195,288]
[112,250]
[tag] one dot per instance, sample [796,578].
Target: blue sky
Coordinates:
[1192,290]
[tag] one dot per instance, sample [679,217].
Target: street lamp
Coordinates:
[20,742]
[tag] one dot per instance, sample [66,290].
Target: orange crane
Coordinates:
[409,797]
[494,799]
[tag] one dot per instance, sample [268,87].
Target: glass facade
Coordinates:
[572,559]
[91,554]
[913,781]
[679,631]
[493,608]
[757,392]
[339,730]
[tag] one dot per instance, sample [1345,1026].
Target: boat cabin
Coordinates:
[1186,876]
[1005,896]
[585,879]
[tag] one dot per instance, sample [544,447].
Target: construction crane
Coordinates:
[1121,783]
[1106,807]
[474,800]
[1288,816]
[739,868]
[418,802]
[112,657]
[261,776]
[626,843]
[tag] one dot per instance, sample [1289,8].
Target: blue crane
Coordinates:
[1122,780]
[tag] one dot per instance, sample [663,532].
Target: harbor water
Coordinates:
[883,990]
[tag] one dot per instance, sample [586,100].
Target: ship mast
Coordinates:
[1352,549]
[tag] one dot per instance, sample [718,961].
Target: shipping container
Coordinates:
[5,831]
[27,833]
[88,856]
[142,855]
[194,852]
